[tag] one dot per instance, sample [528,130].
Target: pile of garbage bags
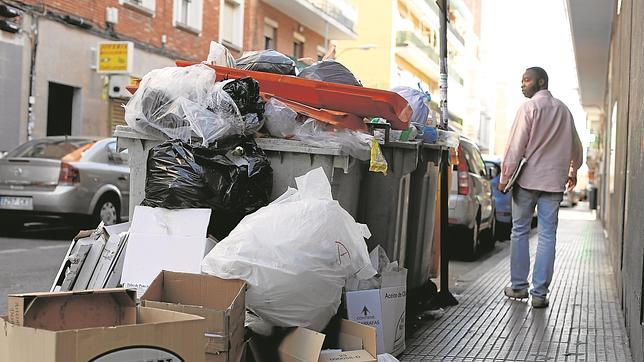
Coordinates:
[232,177]
[295,263]
[186,103]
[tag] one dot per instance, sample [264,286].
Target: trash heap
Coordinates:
[214,266]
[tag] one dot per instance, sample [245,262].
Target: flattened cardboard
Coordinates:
[220,301]
[163,333]
[162,239]
[357,343]
[72,310]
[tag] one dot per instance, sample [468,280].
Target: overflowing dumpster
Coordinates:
[260,201]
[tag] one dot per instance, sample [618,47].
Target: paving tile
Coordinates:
[583,323]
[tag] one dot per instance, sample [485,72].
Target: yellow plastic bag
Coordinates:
[378,163]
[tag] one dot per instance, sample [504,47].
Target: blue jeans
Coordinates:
[523,203]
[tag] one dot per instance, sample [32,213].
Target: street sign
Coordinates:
[114,57]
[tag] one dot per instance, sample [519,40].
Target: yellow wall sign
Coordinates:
[115,57]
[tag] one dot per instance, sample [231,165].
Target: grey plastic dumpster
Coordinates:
[384,200]
[422,212]
[288,158]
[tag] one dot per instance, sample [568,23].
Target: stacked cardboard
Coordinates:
[221,302]
[94,259]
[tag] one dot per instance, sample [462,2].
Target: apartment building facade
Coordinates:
[49,77]
[398,44]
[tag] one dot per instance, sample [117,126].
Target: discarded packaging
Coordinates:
[219,55]
[356,343]
[183,103]
[295,254]
[380,302]
[162,239]
[96,325]
[245,94]
[233,177]
[92,260]
[221,302]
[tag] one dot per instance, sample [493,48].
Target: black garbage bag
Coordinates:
[245,94]
[330,71]
[267,61]
[232,176]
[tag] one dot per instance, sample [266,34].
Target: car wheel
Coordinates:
[471,241]
[107,210]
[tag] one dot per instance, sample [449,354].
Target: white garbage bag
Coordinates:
[296,255]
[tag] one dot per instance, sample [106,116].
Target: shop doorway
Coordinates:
[60,107]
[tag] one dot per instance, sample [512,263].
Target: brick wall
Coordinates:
[256,11]
[144,27]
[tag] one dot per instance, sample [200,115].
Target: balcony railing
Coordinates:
[406,38]
[332,9]
[436,9]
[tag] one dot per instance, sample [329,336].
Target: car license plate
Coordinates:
[16,203]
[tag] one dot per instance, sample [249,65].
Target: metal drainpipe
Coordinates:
[31,100]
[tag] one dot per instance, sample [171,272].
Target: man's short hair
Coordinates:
[541,74]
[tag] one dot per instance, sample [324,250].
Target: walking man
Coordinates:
[544,134]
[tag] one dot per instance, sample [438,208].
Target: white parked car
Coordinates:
[471,204]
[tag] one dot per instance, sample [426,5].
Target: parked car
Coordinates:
[471,204]
[77,178]
[503,202]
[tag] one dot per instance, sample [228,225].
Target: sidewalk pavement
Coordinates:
[584,321]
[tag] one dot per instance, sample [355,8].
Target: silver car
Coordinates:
[471,204]
[79,178]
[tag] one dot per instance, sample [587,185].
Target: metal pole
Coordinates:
[444,297]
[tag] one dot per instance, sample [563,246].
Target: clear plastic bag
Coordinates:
[219,55]
[319,134]
[183,103]
[280,120]
[296,255]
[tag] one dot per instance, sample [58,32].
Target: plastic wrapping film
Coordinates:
[233,177]
[283,122]
[267,61]
[330,71]
[184,103]
[219,55]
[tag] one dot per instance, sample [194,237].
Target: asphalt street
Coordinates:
[30,259]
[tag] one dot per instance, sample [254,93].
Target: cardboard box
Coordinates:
[383,309]
[357,344]
[99,325]
[221,302]
[162,239]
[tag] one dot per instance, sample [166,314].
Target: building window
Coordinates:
[270,34]
[188,14]
[146,6]
[232,23]
[298,49]
[298,45]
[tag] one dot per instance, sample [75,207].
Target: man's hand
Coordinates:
[501,187]
[571,183]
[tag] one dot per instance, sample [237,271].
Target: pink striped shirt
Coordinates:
[544,133]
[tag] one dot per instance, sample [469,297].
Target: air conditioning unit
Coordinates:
[117,86]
